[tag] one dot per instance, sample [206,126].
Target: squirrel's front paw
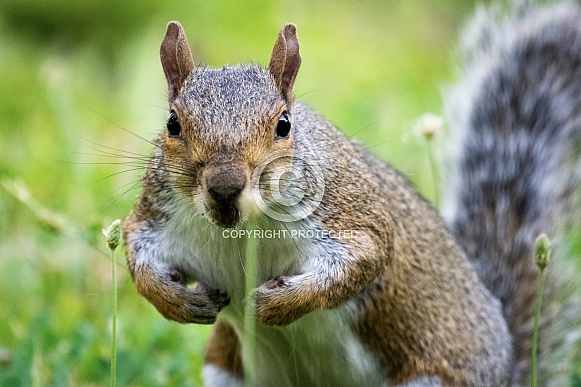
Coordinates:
[167,291]
[200,305]
[281,301]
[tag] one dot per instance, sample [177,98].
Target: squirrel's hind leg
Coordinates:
[223,360]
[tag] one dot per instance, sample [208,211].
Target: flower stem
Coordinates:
[434,174]
[114,322]
[112,235]
[542,257]
[249,341]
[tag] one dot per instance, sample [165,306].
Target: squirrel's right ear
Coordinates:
[285,60]
[176,58]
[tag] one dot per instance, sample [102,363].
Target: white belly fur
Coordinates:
[320,349]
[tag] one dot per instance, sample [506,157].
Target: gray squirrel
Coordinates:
[361,282]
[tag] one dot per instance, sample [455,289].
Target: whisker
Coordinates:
[119,196]
[156,106]
[121,127]
[376,145]
[305,93]
[121,172]
[363,129]
[134,184]
[108,147]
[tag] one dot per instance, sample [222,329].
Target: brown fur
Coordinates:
[223,349]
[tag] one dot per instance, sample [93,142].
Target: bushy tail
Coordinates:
[517,117]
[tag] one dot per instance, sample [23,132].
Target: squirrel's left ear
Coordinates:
[176,58]
[285,60]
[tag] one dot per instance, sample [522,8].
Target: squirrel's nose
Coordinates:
[225,183]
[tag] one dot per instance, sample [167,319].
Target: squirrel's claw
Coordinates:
[175,301]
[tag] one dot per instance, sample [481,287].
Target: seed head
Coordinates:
[113,234]
[542,251]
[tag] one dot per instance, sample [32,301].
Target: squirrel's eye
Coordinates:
[173,125]
[284,126]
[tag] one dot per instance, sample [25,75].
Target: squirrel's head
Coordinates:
[223,123]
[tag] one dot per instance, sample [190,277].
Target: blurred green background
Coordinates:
[75,76]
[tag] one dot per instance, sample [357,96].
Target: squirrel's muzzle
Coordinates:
[224,183]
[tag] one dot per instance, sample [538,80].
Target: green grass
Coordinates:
[76,74]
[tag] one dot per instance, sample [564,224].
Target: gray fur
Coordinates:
[517,120]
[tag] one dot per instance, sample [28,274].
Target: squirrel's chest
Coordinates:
[219,257]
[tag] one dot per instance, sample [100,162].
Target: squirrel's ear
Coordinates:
[176,58]
[285,60]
